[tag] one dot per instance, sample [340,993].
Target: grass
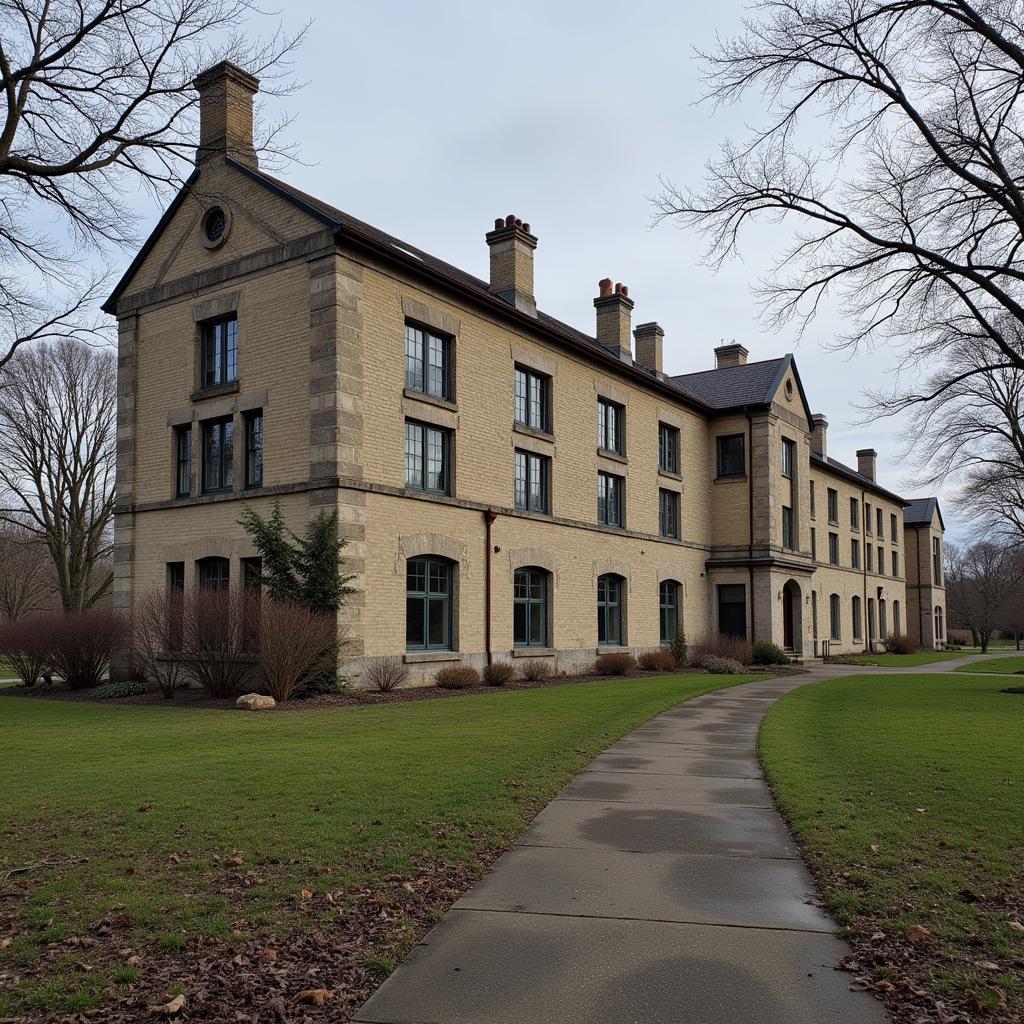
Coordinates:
[1001,666]
[906,794]
[905,660]
[140,810]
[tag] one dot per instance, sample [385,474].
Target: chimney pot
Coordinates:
[225,113]
[614,309]
[649,346]
[866,462]
[510,220]
[512,246]
[819,433]
[604,286]
[499,222]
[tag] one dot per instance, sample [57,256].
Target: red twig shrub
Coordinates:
[25,644]
[534,670]
[718,645]
[902,644]
[294,641]
[658,661]
[156,623]
[386,674]
[457,677]
[499,673]
[81,644]
[218,635]
[614,664]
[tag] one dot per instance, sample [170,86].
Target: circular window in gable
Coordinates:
[789,390]
[215,226]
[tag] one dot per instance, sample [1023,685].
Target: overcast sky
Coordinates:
[430,120]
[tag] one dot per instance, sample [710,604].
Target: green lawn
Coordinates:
[907,794]
[160,800]
[1007,666]
[905,660]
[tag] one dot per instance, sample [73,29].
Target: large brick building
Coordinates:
[510,485]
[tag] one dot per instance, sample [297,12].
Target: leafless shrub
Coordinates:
[535,670]
[293,642]
[81,643]
[499,673]
[901,644]
[614,664]
[718,645]
[25,644]
[386,674]
[457,677]
[658,661]
[217,631]
[156,622]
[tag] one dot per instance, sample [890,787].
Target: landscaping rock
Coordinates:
[255,701]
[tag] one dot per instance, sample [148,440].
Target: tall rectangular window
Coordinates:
[609,427]
[609,499]
[219,355]
[428,604]
[427,458]
[833,549]
[881,561]
[880,523]
[814,544]
[175,592]
[895,564]
[731,452]
[867,518]
[812,499]
[833,505]
[427,362]
[854,514]
[869,557]
[668,513]
[533,400]
[936,562]
[218,455]
[788,535]
[532,473]
[855,553]
[668,448]
[892,529]
[857,625]
[183,462]
[788,457]
[833,608]
[732,610]
[254,448]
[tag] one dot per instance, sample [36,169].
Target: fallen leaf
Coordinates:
[917,933]
[236,861]
[5,942]
[986,965]
[877,936]
[920,810]
[268,955]
[176,1005]
[174,858]
[1016,926]
[315,996]
[875,847]
[305,895]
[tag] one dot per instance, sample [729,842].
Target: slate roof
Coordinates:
[735,386]
[921,511]
[858,478]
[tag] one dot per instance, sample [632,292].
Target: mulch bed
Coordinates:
[189,698]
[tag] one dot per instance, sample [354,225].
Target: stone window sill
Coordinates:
[422,396]
[612,650]
[731,479]
[605,453]
[670,475]
[541,435]
[533,652]
[424,657]
[215,391]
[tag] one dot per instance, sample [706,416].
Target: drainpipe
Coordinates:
[866,619]
[920,607]
[489,517]
[750,518]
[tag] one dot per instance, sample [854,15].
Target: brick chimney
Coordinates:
[614,307]
[512,246]
[648,346]
[730,355]
[866,459]
[819,432]
[225,113]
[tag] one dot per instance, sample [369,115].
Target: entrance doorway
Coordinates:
[792,620]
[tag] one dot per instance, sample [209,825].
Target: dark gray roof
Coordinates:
[921,511]
[852,475]
[735,386]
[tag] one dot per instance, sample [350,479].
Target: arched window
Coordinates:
[833,604]
[855,604]
[939,634]
[883,624]
[214,573]
[609,610]
[668,607]
[428,604]
[897,625]
[530,594]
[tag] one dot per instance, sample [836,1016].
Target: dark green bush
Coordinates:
[123,688]
[457,677]
[679,645]
[767,653]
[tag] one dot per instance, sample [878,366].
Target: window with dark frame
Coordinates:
[609,610]
[254,448]
[881,561]
[893,529]
[530,591]
[854,514]
[215,573]
[732,610]
[218,455]
[668,448]
[610,436]
[668,513]
[731,455]
[175,594]
[895,564]
[183,461]
[812,500]
[867,518]
[788,457]
[814,544]
[788,533]
[532,481]
[219,351]
[880,523]
[668,610]
[836,626]
[833,549]
[857,630]
[532,400]
[936,562]
[427,362]
[855,553]
[427,458]
[609,499]
[833,505]
[428,604]
[869,558]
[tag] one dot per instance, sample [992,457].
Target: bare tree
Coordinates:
[910,213]
[981,580]
[57,436]
[26,576]
[96,99]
